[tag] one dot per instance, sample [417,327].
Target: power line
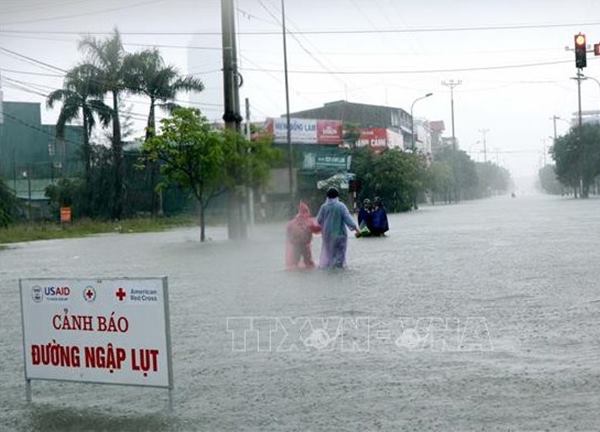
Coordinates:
[417,71]
[39,6]
[55,18]
[31,73]
[23,85]
[333,31]
[47,65]
[194,47]
[36,128]
[31,59]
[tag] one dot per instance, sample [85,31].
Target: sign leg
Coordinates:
[171,410]
[28,391]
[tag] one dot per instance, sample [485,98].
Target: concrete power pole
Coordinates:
[452,84]
[484,133]
[250,190]
[579,77]
[236,227]
[231,76]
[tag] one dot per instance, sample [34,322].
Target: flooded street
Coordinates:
[526,268]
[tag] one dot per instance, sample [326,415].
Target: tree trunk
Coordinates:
[117,151]
[151,125]
[155,168]
[87,154]
[202,224]
[585,189]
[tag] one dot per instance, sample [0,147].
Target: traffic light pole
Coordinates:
[579,78]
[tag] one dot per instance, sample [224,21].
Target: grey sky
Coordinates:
[515,104]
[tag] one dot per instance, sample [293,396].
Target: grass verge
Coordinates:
[46,231]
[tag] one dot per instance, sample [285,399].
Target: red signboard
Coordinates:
[373,137]
[65,214]
[329,132]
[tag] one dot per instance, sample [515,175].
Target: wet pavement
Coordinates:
[477,316]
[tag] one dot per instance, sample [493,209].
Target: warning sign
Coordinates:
[113,331]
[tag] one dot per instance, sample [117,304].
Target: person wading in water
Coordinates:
[334,217]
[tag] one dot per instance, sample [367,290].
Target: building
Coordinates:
[587,117]
[423,137]
[437,128]
[30,155]
[363,115]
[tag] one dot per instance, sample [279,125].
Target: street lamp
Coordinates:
[592,78]
[412,120]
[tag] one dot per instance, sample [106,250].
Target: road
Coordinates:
[516,278]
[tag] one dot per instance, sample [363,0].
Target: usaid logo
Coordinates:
[57,293]
[37,294]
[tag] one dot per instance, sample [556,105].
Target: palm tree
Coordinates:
[78,96]
[107,57]
[147,74]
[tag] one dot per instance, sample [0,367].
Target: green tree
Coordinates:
[439,180]
[351,134]
[206,161]
[79,98]
[464,173]
[147,74]
[548,182]
[8,205]
[107,57]
[395,176]
[492,179]
[577,157]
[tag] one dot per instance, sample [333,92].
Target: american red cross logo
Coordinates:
[121,294]
[89,294]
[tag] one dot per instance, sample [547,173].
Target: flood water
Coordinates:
[525,268]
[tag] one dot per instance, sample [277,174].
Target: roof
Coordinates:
[437,126]
[364,115]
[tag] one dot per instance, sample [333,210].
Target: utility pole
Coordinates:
[250,190]
[231,98]
[236,227]
[287,109]
[580,77]
[412,122]
[544,150]
[484,133]
[554,118]
[452,84]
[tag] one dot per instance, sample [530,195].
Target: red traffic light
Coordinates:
[580,51]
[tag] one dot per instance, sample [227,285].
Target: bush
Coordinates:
[9,207]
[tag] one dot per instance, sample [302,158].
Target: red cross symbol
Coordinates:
[89,293]
[121,294]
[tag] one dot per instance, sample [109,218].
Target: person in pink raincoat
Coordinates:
[299,232]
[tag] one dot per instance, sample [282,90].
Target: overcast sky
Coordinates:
[331,63]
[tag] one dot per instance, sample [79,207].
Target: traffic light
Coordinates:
[580,51]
